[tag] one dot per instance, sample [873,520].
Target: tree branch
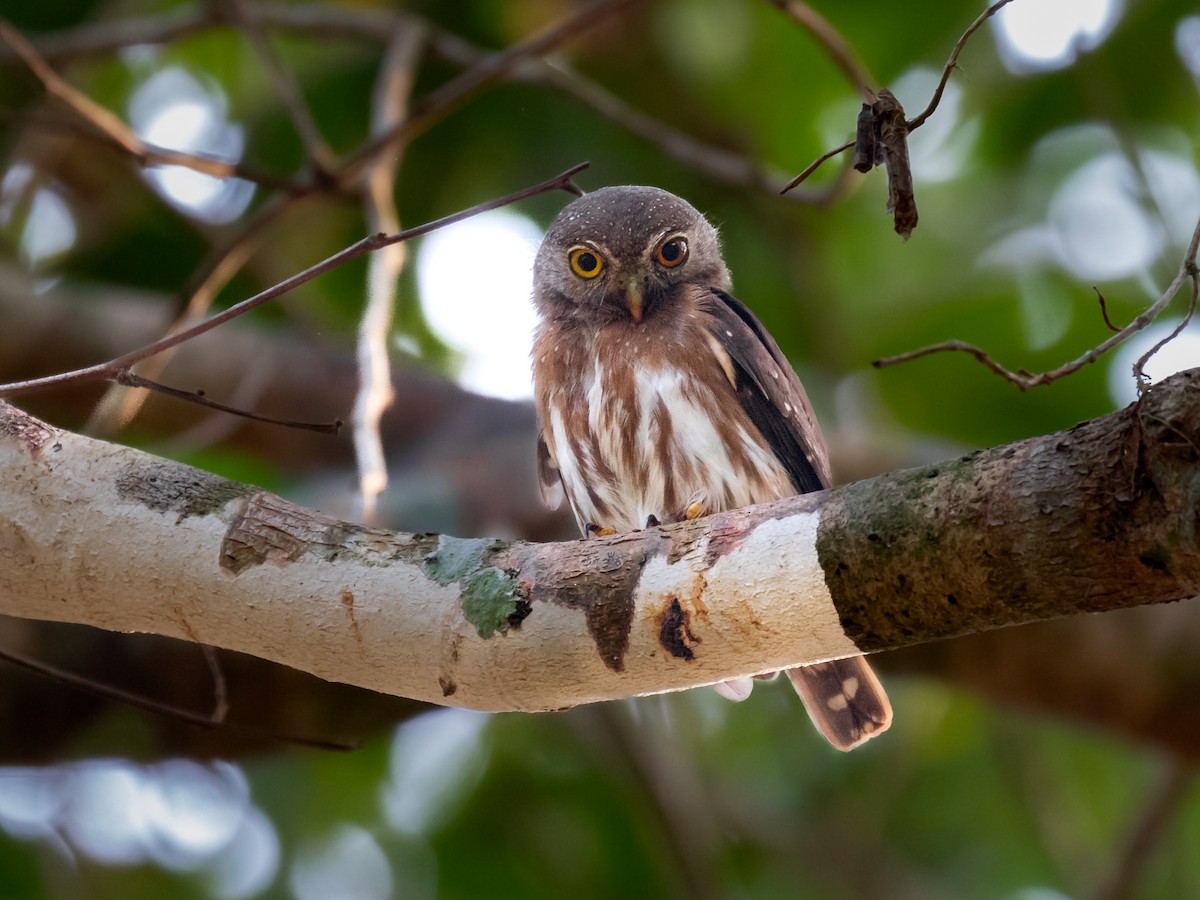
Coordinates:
[1098,517]
[1025,380]
[393,88]
[834,44]
[912,124]
[110,126]
[107,370]
[286,88]
[438,103]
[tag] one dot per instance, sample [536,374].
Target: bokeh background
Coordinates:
[1037,762]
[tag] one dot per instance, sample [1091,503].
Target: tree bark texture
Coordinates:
[1101,516]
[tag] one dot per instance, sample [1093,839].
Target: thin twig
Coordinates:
[1025,380]
[814,165]
[130,379]
[562,182]
[1104,310]
[286,88]
[1139,367]
[718,163]
[376,23]
[105,36]
[154,155]
[1164,802]
[439,103]
[121,404]
[88,109]
[108,35]
[911,124]
[836,46]
[393,88]
[952,63]
[166,710]
[106,122]
[108,370]
[218,427]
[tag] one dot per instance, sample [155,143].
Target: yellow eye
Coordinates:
[585,262]
[672,252]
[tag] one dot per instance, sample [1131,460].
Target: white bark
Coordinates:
[112,537]
[1102,516]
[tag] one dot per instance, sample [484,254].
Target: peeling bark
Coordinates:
[1098,517]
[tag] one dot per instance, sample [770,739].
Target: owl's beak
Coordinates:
[634,299]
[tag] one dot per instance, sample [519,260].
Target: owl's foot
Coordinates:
[696,510]
[652,521]
[591,530]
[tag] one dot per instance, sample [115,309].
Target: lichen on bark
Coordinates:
[1049,526]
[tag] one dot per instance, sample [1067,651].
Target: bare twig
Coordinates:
[1163,804]
[166,710]
[389,105]
[114,34]
[1139,367]
[110,369]
[130,379]
[286,88]
[153,155]
[247,392]
[439,103]
[326,19]
[120,403]
[377,24]
[716,162]
[952,63]
[101,118]
[814,165]
[1104,310]
[912,124]
[110,125]
[835,45]
[1025,380]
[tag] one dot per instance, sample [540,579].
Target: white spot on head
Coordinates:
[728,333]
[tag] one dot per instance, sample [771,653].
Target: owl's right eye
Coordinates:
[585,262]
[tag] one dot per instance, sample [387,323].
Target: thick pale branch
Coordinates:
[1098,517]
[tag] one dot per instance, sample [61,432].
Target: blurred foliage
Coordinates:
[686,795]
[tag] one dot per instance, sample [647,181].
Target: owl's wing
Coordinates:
[549,480]
[770,393]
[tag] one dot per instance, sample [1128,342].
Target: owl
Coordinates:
[660,397]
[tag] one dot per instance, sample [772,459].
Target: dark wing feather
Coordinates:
[770,393]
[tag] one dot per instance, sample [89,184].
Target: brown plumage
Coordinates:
[661,397]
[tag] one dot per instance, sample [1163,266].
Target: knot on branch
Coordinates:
[1169,417]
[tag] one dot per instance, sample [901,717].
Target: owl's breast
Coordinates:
[648,424]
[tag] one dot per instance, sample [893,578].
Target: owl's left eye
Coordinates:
[672,252]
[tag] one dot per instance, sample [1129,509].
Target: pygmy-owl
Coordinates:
[661,397]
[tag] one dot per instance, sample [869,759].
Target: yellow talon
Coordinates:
[591,531]
[695,510]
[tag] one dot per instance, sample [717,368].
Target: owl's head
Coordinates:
[623,253]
